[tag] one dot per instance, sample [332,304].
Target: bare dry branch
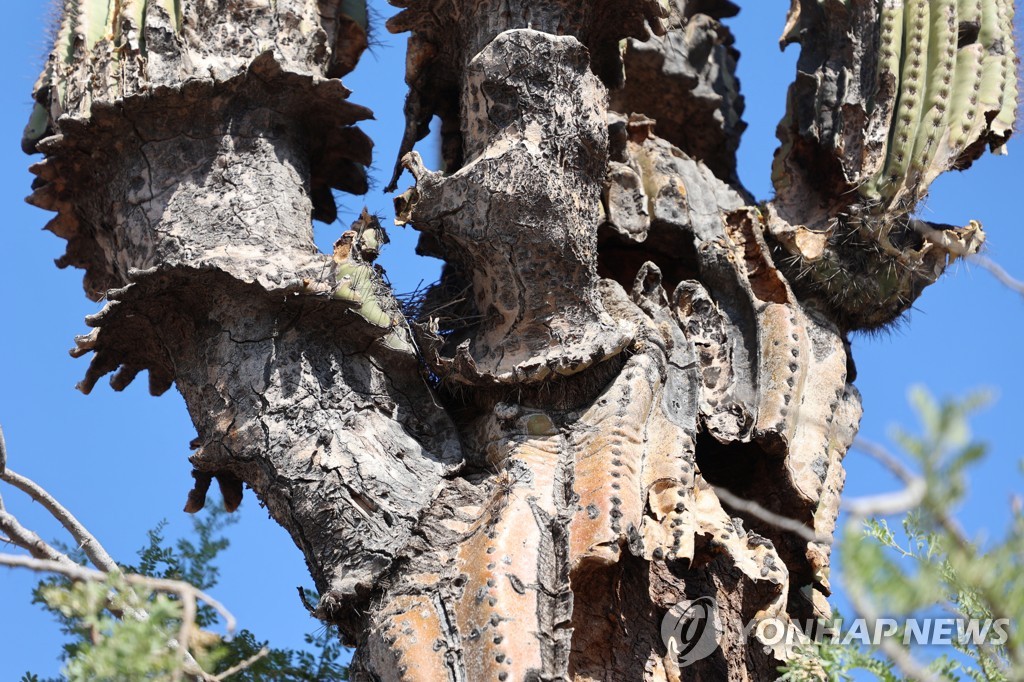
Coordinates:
[887,504]
[897,653]
[30,541]
[73,571]
[242,665]
[883,505]
[770,517]
[86,540]
[997,271]
[3,452]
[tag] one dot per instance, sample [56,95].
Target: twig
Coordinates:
[883,505]
[239,667]
[897,653]
[89,544]
[74,571]
[29,541]
[3,452]
[997,271]
[770,517]
[47,559]
[887,504]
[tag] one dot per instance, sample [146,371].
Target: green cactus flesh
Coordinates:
[1003,123]
[909,109]
[356,285]
[94,21]
[941,63]
[950,95]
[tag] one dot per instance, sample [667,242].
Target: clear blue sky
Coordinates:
[118,460]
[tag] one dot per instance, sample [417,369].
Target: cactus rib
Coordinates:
[941,62]
[911,98]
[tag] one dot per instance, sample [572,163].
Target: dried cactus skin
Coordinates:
[128,80]
[926,87]
[521,482]
[686,81]
[185,148]
[606,488]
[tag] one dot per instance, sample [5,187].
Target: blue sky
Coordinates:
[118,460]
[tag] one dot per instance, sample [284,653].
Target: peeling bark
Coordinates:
[523,488]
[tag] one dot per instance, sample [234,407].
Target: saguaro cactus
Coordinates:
[518,481]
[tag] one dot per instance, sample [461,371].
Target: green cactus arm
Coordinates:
[939,88]
[993,67]
[374,314]
[173,8]
[968,11]
[94,21]
[966,109]
[890,40]
[941,64]
[1003,123]
[907,120]
[353,282]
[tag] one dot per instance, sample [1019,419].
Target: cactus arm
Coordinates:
[890,42]
[966,109]
[94,19]
[993,67]
[941,63]
[173,8]
[132,11]
[1003,123]
[38,122]
[942,88]
[907,121]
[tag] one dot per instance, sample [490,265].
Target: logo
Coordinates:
[690,630]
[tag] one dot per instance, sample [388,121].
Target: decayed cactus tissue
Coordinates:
[515,479]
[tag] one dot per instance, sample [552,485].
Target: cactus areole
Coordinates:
[516,480]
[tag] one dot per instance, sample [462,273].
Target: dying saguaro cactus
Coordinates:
[187,146]
[523,481]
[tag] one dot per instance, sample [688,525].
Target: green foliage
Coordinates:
[929,567]
[102,645]
[118,649]
[833,662]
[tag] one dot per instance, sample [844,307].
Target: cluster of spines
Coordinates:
[954,90]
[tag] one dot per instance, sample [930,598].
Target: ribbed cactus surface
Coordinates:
[954,61]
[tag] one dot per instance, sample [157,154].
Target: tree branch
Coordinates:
[884,505]
[3,454]
[89,544]
[74,571]
[29,541]
[887,504]
[782,522]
